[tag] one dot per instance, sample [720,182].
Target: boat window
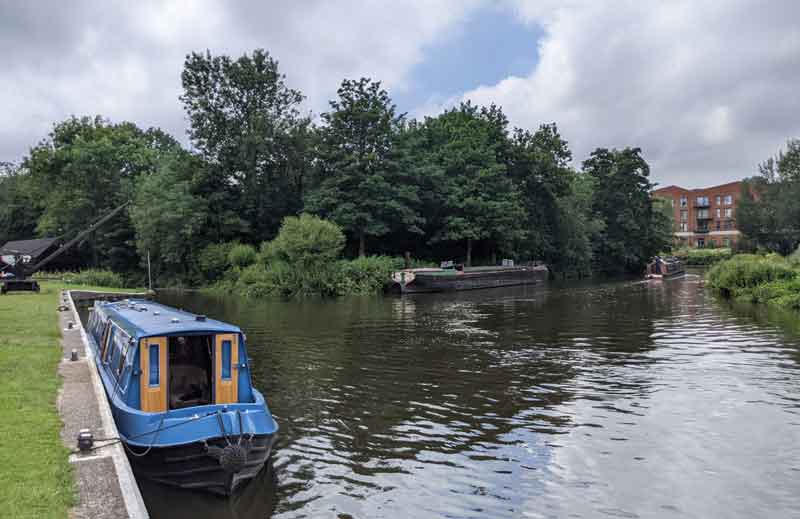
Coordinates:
[154,357]
[226,360]
[190,370]
[108,341]
[121,345]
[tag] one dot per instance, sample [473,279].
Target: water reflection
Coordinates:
[622,399]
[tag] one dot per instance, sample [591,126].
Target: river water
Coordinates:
[618,399]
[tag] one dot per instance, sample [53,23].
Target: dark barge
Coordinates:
[420,280]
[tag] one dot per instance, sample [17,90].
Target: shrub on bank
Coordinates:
[769,279]
[242,256]
[703,257]
[95,277]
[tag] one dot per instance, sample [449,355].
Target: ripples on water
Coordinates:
[626,399]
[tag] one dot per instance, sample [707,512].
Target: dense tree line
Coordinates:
[769,209]
[460,185]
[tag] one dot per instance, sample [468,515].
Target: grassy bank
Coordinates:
[37,479]
[34,470]
[772,280]
[702,257]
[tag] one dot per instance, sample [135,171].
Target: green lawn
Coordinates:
[35,476]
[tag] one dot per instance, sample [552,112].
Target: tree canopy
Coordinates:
[769,208]
[462,184]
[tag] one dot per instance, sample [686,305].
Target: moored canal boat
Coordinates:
[180,391]
[465,278]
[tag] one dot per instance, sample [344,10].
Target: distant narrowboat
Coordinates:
[664,268]
[180,391]
[457,277]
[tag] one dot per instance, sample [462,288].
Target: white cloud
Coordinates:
[707,90]
[123,60]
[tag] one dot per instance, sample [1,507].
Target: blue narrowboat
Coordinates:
[181,394]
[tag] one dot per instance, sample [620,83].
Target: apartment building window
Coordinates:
[727,225]
[719,211]
[719,200]
[684,201]
[729,212]
[684,227]
[701,243]
[703,213]
[717,222]
[672,202]
[702,201]
[726,242]
[728,199]
[684,216]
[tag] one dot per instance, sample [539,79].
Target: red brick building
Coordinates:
[704,217]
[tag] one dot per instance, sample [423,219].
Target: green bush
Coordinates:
[212,261]
[769,279]
[702,257]
[367,275]
[305,241]
[242,256]
[95,277]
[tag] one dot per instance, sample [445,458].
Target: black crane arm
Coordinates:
[73,241]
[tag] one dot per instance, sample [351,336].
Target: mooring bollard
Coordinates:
[73,355]
[70,325]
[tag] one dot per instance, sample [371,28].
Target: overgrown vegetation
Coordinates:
[702,257]
[304,260]
[461,185]
[768,279]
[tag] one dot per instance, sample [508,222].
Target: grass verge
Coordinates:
[34,468]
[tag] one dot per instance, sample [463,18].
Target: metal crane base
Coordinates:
[19,285]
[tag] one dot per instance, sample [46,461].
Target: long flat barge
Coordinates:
[420,280]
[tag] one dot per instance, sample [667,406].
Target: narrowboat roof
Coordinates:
[140,317]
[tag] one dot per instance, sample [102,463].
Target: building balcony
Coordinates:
[702,230]
[704,218]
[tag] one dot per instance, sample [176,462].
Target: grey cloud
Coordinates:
[707,90]
[123,60]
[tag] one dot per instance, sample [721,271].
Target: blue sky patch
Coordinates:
[488,47]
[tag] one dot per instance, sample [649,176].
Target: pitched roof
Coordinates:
[31,248]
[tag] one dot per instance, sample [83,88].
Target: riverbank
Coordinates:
[34,463]
[771,280]
[702,257]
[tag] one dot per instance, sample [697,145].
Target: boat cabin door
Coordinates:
[153,382]
[226,358]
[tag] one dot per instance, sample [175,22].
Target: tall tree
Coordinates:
[633,231]
[476,196]
[19,210]
[169,218]
[361,185]
[539,164]
[86,168]
[769,209]
[245,121]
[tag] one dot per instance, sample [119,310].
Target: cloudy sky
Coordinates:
[706,89]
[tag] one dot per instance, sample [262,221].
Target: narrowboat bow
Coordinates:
[181,394]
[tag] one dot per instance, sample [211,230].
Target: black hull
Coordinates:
[193,467]
[474,281]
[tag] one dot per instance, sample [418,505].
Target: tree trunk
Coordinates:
[469,252]
[362,245]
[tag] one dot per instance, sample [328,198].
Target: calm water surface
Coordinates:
[623,399]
